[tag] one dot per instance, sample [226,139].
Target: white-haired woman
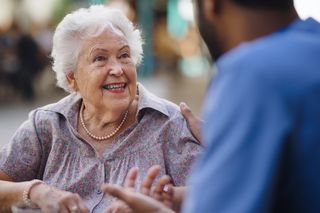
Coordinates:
[108,124]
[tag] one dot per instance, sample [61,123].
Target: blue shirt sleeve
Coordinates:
[247,121]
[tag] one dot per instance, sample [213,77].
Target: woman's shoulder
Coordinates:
[65,107]
[63,104]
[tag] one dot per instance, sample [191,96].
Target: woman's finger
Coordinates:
[115,191]
[73,203]
[118,207]
[63,209]
[73,207]
[167,195]
[149,179]
[160,186]
[131,178]
[80,204]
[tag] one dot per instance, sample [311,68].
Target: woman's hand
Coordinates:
[138,202]
[49,199]
[194,123]
[143,201]
[53,200]
[161,191]
[119,206]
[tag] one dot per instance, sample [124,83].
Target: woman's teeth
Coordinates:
[114,86]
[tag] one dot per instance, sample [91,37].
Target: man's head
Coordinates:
[223,24]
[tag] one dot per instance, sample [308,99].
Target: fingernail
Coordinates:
[166,188]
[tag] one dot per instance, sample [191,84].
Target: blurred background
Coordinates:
[176,63]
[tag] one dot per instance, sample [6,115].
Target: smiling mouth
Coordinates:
[114,86]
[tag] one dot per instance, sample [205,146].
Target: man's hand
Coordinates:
[194,123]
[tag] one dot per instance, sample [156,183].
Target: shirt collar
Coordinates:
[309,24]
[149,100]
[68,106]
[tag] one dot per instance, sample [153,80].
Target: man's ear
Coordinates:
[211,8]
[72,81]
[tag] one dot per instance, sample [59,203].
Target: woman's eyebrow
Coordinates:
[124,47]
[97,50]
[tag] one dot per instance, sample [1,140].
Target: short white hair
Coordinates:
[86,23]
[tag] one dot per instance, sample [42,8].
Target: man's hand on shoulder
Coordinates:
[194,123]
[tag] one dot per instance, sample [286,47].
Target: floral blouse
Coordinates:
[48,147]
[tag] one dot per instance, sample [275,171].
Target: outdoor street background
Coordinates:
[176,65]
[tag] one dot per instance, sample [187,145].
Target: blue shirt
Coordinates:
[262,127]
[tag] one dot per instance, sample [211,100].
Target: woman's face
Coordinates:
[106,75]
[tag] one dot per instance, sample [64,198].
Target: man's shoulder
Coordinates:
[281,57]
[292,49]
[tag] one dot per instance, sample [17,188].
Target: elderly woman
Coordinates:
[108,124]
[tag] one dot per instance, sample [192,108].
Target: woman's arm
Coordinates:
[47,198]
[10,192]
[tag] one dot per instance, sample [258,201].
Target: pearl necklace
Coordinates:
[102,137]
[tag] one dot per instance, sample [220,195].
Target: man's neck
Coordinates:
[246,25]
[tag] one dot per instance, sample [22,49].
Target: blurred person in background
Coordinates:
[21,60]
[262,117]
[108,124]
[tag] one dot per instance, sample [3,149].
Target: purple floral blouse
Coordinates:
[48,147]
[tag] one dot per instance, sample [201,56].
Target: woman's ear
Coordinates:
[72,81]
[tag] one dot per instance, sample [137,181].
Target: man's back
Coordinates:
[263,127]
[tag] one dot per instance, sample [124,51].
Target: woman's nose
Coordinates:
[115,69]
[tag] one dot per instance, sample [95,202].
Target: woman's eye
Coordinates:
[125,55]
[100,58]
